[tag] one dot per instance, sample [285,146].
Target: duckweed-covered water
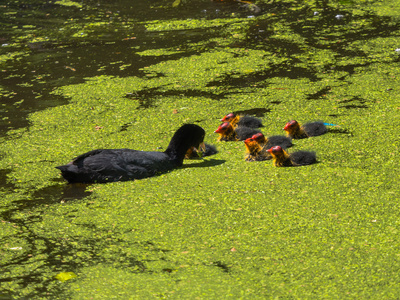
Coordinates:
[78,76]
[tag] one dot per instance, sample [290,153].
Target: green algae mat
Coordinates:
[219,227]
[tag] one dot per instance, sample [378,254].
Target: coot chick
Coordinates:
[194,153]
[275,140]
[297,131]
[300,158]
[109,165]
[254,152]
[246,121]
[228,133]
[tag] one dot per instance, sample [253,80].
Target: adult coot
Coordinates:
[228,133]
[108,165]
[246,121]
[300,158]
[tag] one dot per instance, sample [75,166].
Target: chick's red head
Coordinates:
[228,117]
[291,125]
[259,137]
[224,127]
[249,141]
[275,150]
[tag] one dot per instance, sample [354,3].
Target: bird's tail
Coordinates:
[330,124]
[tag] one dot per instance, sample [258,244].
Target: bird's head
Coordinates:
[259,138]
[228,117]
[276,150]
[224,128]
[291,126]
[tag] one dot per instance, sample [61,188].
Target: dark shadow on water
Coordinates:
[317,95]
[354,102]
[4,181]
[258,111]
[61,193]
[222,266]
[340,130]
[45,197]
[205,163]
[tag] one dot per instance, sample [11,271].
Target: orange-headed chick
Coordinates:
[228,133]
[254,152]
[297,131]
[276,140]
[300,158]
[246,121]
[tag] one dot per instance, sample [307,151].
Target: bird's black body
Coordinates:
[210,150]
[248,121]
[315,128]
[109,165]
[297,131]
[243,133]
[302,158]
[278,140]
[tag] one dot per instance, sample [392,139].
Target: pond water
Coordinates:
[81,75]
[39,34]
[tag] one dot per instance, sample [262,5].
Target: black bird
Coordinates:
[300,158]
[246,121]
[109,165]
[228,133]
[296,131]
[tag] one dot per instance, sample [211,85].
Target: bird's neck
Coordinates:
[282,159]
[177,150]
[229,135]
[234,121]
[253,149]
[298,133]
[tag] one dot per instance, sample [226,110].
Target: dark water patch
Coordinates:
[321,31]
[5,183]
[319,94]
[62,59]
